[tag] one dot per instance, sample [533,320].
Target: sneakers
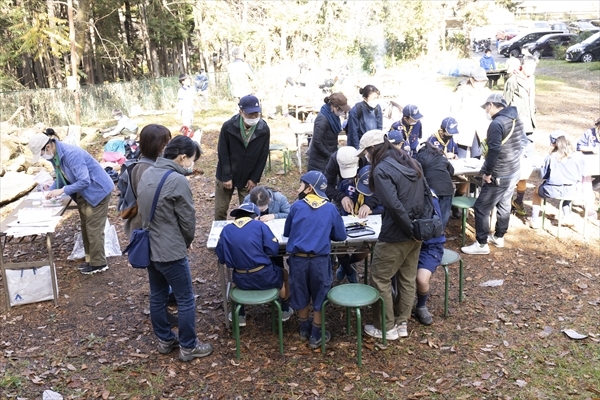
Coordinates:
[518,208]
[567,221]
[424,316]
[456,213]
[201,350]
[285,315]
[353,278]
[241,319]
[340,274]
[305,329]
[402,330]
[534,224]
[167,347]
[89,270]
[315,342]
[476,248]
[496,241]
[392,334]
[83,266]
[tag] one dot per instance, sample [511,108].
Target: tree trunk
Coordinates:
[27,77]
[74,59]
[128,24]
[150,49]
[82,37]
[55,74]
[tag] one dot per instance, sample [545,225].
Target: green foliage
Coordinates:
[583,35]
[560,52]
[460,43]
[510,5]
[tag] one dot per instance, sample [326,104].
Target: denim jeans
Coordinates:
[494,195]
[176,274]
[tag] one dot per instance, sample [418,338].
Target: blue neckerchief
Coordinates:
[334,120]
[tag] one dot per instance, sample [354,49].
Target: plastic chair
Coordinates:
[254,297]
[560,205]
[450,257]
[353,296]
[464,203]
[285,154]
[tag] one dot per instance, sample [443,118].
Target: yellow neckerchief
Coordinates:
[437,135]
[407,133]
[314,201]
[240,222]
[359,202]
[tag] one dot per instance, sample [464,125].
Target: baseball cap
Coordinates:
[37,141]
[318,182]
[371,138]
[339,100]
[495,98]
[249,104]
[249,208]
[450,125]
[347,159]
[362,184]
[183,76]
[556,134]
[478,73]
[395,137]
[410,110]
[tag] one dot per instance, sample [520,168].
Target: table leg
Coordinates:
[52,268]
[4,280]
[221,268]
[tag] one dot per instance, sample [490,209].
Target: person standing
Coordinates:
[500,170]
[364,116]
[80,176]
[326,130]
[398,181]
[242,153]
[125,125]
[240,75]
[519,92]
[172,231]
[186,96]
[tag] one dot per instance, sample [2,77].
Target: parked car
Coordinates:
[582,26]
[513,47]
[544,46]
[559,26]
[586,51]
[511,32]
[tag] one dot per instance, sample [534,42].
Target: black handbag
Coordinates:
[427,228]
[138,250]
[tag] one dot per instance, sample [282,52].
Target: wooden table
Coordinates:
[277,225]
[10,234]
[495,75]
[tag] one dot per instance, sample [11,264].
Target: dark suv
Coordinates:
[513,47]
[544,46]
[586,51]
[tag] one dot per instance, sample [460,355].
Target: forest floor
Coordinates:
[501,342]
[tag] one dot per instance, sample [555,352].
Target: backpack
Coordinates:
[127,205]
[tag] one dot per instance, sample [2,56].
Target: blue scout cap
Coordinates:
[410,110]
[555,135]
[249,104]
[362,184]
[395,137]
[318,182]
[249,208]
[450,125]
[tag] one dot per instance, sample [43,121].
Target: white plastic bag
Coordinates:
[29,285]
[111,244]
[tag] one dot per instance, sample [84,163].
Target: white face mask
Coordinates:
[47,156]
[373,103]
[488,115]
[251,121]
[368,157]
[189,170]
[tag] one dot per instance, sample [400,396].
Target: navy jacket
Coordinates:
[246,244]
[361,119]
[438,172]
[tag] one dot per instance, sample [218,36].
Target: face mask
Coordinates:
[368,158]
[189,170]
[301,195]
[340,113]
[47,156]
[488,115]
[372,104]
[251,121]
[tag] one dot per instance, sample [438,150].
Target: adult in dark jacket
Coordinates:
[242,153]
[501,171]
[364,116]
[344,164]
[326,130]
[400,186]
[438,172]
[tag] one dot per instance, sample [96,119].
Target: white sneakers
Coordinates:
[396,332]
[476,248]
[496,241]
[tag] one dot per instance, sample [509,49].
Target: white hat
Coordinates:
[371,138]
[347,159]
[37,142]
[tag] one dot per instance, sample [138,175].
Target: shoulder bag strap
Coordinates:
[158,189]
[509,133]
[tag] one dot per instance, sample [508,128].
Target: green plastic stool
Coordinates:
[560,204]
[464,203]
[450,257]
[353,295]
[254,297]
[285,153]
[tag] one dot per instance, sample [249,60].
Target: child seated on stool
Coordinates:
[310,227]
[245,245]
[562,171]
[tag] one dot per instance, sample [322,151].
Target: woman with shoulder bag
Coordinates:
[171,233]
[399,183]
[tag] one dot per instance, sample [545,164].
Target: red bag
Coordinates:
[187,131]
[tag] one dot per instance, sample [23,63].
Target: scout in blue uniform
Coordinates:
[410,128]
[357,189]
[310,227]
[430,257]
[443,139]
[246,246]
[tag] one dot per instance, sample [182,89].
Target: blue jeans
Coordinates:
[176,274]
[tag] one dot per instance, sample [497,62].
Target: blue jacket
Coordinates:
[246,244]
[361,119]
[487,63]
[348,187]
[84,174]
[449,147]
[278,205]
[589,138]
[414,133]
[311,228]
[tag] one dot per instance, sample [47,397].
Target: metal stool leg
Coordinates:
[464,225]
[560,204]
[383,322]
[446,285]
[358,335]
[348,321]
[543,213]
[323,326]
[460,281]
[236,329]
[280,325]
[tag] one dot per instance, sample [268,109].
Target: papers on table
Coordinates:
[18,229]
[34,216]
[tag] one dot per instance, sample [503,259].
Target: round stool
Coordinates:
[450,257]
[464,203]
[353,296]
[285,154]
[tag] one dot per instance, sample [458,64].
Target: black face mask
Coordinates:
[265,212]
[301,195]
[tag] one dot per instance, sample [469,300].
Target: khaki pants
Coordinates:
[396,261]
[93,220]
[223,198]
